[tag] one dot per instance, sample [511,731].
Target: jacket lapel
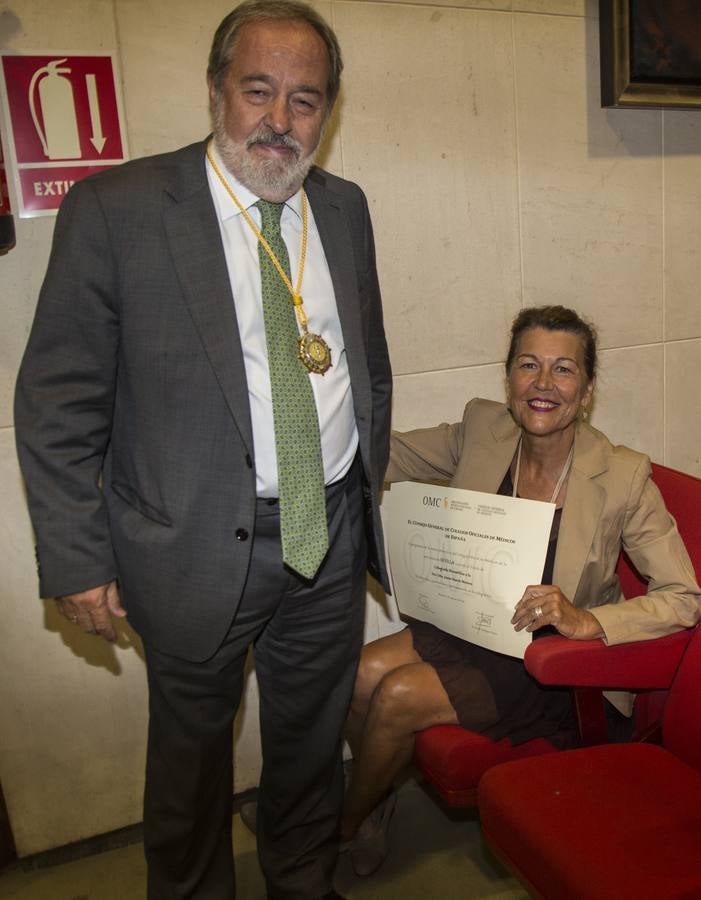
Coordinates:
[483,469]
[337,241]
[193,231]
[580,518]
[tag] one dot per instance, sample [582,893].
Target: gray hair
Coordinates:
[223,45]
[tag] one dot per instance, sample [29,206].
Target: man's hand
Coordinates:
[545,604]
[93,610]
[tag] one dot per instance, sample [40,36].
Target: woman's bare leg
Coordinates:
[376,660]
[397,694]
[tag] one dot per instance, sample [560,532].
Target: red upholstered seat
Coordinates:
[614,821]
[453,759]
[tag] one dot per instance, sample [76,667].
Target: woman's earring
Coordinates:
[583,412]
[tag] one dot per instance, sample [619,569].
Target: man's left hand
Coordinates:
[92,610]
[545,604]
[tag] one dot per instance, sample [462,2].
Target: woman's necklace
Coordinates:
[313,349]
[560,481]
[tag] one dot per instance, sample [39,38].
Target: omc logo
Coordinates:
[435,501]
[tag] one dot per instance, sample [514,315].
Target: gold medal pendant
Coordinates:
[314,353]
[313,349]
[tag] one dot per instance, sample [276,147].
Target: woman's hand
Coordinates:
[545,604]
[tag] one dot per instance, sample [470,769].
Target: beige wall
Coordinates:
[494,179]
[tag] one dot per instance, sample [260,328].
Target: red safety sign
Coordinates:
[64,122]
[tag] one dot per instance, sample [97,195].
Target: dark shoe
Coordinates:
[249,815]
[369,847]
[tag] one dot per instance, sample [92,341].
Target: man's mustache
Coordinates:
[270,138]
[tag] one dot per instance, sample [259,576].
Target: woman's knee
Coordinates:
[371,668]
[411,698]
[378,659]
[396,700]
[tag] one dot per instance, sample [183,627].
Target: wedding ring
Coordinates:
[538,612]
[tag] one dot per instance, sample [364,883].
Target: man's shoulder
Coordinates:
[320,179]
[155,171]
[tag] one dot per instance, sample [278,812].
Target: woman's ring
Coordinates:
[538,612]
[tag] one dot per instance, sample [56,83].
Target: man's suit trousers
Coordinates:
[307,639]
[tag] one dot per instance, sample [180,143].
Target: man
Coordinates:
[161,384]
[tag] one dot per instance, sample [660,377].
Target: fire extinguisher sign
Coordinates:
[64,122]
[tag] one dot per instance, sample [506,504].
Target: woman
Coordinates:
[536,446]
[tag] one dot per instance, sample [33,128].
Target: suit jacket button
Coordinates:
[241,534]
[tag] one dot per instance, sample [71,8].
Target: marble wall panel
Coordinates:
[72,708]
[247,752]
[430,398]
[683,406]
[558,7]
[591,186]
[629,398]
[72,26]
[164,50]
[682,217]
[433,147]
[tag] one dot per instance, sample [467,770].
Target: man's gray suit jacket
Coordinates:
[132,414]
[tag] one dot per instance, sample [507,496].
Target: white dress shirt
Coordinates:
[332,391]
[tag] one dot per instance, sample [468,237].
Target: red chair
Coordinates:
[453,759]
[610,822]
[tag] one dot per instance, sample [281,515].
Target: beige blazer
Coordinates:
[611,502]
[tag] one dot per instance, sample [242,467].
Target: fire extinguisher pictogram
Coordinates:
[56,104]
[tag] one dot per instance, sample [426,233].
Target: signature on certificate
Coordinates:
[482,621]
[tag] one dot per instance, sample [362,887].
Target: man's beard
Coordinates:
[275,180]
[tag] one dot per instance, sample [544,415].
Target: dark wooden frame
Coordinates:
[618,86]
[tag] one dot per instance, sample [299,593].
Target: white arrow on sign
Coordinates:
[97,139]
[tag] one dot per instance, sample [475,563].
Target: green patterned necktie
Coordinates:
[300,470]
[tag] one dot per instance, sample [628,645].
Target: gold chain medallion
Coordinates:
[314,353]
[313,349]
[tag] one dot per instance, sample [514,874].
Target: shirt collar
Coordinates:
[226,208]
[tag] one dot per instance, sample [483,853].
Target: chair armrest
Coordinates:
[635,666]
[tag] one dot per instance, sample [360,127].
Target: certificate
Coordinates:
[461,560]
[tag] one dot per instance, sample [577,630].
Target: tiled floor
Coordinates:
[433,854]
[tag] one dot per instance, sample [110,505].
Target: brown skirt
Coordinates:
[493,694]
